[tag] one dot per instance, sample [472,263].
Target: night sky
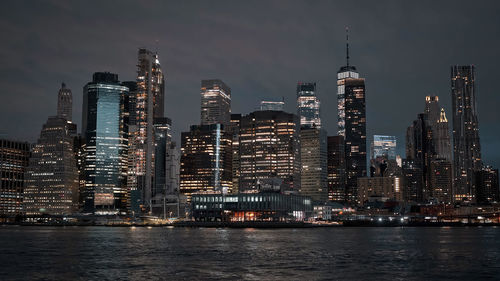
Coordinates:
[259,48]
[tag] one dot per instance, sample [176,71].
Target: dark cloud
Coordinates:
[260,48]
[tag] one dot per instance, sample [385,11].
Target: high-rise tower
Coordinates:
[308,105]
[352,124]
[65,103]
[215,102]
[149,104]
[466,147]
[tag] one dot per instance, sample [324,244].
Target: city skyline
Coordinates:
[251,75]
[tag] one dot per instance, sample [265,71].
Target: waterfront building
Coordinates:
[313,157]
[487,185]
[466,146]
[14,158]
[241,207]
[106,144]
[146,102]
[441,181]
[384,188]
[52,179]
[215,102]
[275,105]
[308,105]
[163,138]
[269,148]
[336,168]
[234,130]
[65,103]
[352,125]
[205,160]
[414,180]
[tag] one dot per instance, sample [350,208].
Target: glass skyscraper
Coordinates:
[308,105]
[466,146]
[383,146]
[215,102]
[106,144]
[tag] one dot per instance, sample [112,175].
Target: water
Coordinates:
[105,253]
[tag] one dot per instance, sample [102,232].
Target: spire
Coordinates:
[347,44]
[442,117]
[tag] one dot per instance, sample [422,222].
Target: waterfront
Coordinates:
[398,253]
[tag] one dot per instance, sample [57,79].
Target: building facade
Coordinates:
[206,160]
[441,181]
[269,148]
[65,103]
[487,189]
[385,188]
[308,105]
[314,161]
[215,102]
[466,146]
[14,158]
[106,144]
[52,179]
[336,168]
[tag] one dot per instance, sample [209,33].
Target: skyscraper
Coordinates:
[352,125]
[269,149]
[269,104]
[466,146]
[52,180]
[441,179]
[308,105]
[163,138]
[313,157]
[336,168]
[65,103]
[487,189]
[149,104]
[106,144]
[215,102]
[205,160]
[14,157]
[383,146]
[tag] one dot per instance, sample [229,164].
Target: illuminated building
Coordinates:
[215,102]
[272,105]
[14,157]
[205,160]
[234,130]
[149,102]
[163,138]
[65,103]
[487,185]
[336,168]
[352,125]
[438,124]
[308,105]
[241,207]
[52,180]
[383,149]
[269,148]
[106,144]
[313,156]
[385,188]
[414,180]
[466,146]
[441,180]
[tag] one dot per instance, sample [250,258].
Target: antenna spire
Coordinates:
[347,44]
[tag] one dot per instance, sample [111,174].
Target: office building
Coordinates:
[275,105]
[52,179]
[313,157]
[383,147]
[487,185]
[106,144]
[414,180]
[382,188]
[466,146]
[441,181]
[149,103]
[336,168]
[234,130]
[308,105]
[352,125]
[206,160]
[65,103]
[14,157]
[163,138]
[269,149]
[215,102]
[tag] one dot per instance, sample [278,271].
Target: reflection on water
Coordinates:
[256,254]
